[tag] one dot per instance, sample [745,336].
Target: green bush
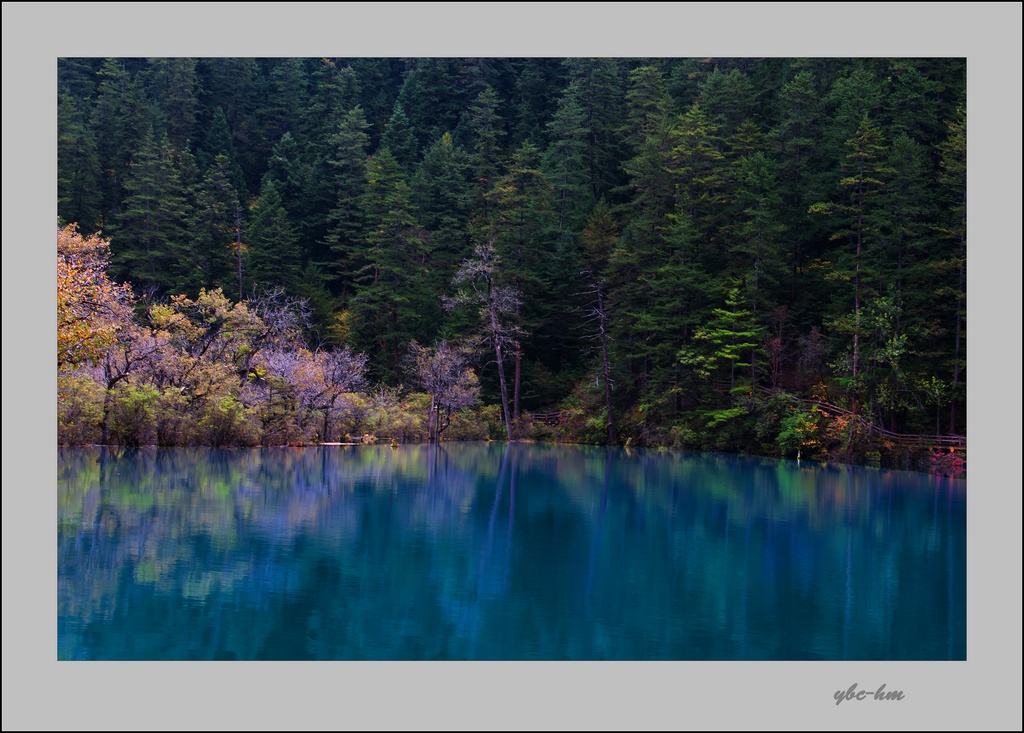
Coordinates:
[132,414]
[490,415]
[173,421]
[803,431]
[225,423]
[467,425]
[79,409]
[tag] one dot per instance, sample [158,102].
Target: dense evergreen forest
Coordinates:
[761,255]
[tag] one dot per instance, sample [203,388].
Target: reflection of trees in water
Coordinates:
[500,551]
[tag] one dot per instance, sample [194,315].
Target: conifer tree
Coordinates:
[389,303]
[431,99]
[602,96]
[273,253]
[79,194]
[954,179]
[484,137]
[398,138]
[521,202]
[757,247]
[215,139]
[215,232]
[564,161]
[345,178]
[443,196]
[148,245]
[865,171]
[597,240]
[288,99]
[797,156]
[120,120]
[173,83]
[728,99]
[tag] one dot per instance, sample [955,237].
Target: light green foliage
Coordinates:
[731,338]
[225,422]
[79,409]
[802,432]
[132,416]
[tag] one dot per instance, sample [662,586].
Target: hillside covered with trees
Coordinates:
[707,253]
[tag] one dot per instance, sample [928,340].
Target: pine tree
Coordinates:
[649,134]
[538,81]
[732,337]
[564,162]
[484,134]
[78,77]
[148,243]
[662,289]
[912,103]
[288,99]
[856,94]
[697,164]
[389,303]
[443,197]
[597,241]
[907,214]
[648,106]
[431,99]
[954,178]
[380,80]
[521,200]
[230,84]
[215,241]
[215,139]
[285,168]
[345,178]
[173,84]
[398,138]
[602,96]
[334,95]
[726,343]
[273,253]
[865,169]
[758,246]
[79,196]
[239,87]
[795,148]
[728,99]
[120,120]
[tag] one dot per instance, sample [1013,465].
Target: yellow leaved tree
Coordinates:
[91,308]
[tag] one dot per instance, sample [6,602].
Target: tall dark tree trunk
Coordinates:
[605,365]
[238,247]
[504,388]
[956,341]
[517,387]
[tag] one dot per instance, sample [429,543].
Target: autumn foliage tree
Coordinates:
[91,308]
[444,372]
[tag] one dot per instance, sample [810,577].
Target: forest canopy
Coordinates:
[766,255]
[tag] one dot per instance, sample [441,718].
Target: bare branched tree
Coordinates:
[596,317]
[443,371]
[497,305]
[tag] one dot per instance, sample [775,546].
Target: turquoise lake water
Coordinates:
[503,552]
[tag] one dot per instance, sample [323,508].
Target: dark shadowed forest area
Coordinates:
[761,255]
